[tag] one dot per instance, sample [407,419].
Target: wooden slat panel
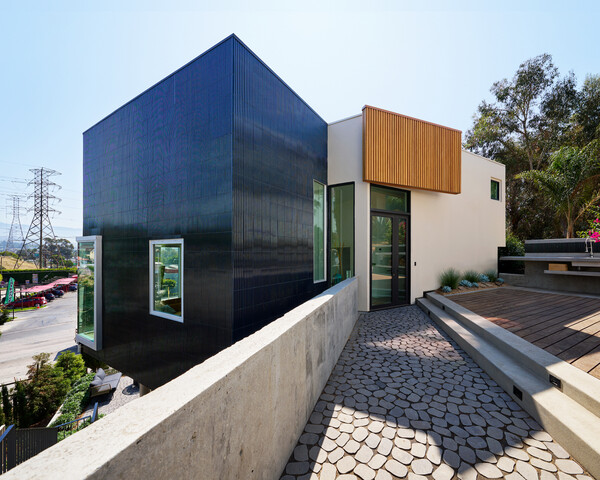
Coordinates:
[406,152]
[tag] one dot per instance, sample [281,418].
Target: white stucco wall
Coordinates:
[461,231]
[344,164]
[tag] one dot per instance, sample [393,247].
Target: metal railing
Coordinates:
[18,445]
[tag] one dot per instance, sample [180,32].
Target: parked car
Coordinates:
[57,292]
[28,302]
[72,287]
[49,296]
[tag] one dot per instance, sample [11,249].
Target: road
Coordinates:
[49,329]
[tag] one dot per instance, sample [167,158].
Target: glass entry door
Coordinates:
[389,260]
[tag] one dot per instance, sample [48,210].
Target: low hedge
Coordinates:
[75,401]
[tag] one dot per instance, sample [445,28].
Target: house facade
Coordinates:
[218,200]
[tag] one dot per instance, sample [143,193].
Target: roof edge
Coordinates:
[412,118]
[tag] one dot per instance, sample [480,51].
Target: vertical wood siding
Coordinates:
[406,152]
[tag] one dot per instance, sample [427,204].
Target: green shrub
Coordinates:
[471,276]
[446,289]
[449,278]
[514,246]
[72,366]
[76,400]
[492,275]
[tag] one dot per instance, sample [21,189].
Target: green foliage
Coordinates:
[3,315]
[571,183]
[75,401]
[2,417]
[21,415]
[484,278]
[492,275]
[46,388]
[514,246]
[471,276]
[72,365]
[534,116]
[7,404]
[465,283]
[446,289]
[449,278]
[169,283]
[44,274]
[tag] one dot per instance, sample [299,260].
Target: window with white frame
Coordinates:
[319,269]
[89,291]
[166,278]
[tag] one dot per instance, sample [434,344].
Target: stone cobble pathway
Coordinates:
[404,401]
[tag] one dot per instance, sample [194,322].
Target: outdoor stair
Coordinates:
[562,398]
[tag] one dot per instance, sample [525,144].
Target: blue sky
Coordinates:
[67,66]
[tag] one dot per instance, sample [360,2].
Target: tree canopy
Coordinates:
[541,122]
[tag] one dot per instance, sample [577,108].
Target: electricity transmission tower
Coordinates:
[15,234]
[40,227]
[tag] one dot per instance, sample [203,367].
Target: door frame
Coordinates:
[396,217]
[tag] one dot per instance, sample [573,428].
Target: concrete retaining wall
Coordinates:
[237,415]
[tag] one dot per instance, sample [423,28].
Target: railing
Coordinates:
[16,446]
[19,445]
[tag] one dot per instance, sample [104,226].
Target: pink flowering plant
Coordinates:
[593,231]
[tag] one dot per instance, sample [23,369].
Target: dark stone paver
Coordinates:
[404,401]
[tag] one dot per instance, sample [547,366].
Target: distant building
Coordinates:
[218,200]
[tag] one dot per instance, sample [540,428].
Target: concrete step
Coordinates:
[573,382]
[571,424]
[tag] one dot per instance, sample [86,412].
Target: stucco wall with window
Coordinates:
[461,231]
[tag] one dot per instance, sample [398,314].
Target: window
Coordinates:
[89,292]
[389,199]
[495,190]
[318,232]
[341,231]
[166,279]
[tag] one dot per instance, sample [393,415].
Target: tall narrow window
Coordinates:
[495,193]
[89,292]
[318,232]
[341,229]
[166,279]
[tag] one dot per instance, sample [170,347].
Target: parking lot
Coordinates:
[48,329]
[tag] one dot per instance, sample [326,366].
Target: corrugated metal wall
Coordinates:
[406,152]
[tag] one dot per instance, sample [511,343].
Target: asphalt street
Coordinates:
[50,329]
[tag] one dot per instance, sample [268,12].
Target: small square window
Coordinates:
[495,193]
[166,279]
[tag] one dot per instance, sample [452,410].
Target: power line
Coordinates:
[15,234]
[40,227]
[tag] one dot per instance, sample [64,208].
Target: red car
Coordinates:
[28,302]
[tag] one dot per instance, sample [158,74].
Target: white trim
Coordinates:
[96,344]
[166,241]
[324,279]
[345,119]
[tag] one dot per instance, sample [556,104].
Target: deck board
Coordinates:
[567,326]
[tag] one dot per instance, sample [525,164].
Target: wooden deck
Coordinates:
[567,326]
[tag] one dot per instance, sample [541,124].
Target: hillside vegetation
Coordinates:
[8,263]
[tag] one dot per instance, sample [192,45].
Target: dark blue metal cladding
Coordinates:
[279,147]
[160,167]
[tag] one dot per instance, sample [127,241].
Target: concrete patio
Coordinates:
[405,401]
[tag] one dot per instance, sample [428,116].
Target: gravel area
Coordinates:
[107,403]
[405,401]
